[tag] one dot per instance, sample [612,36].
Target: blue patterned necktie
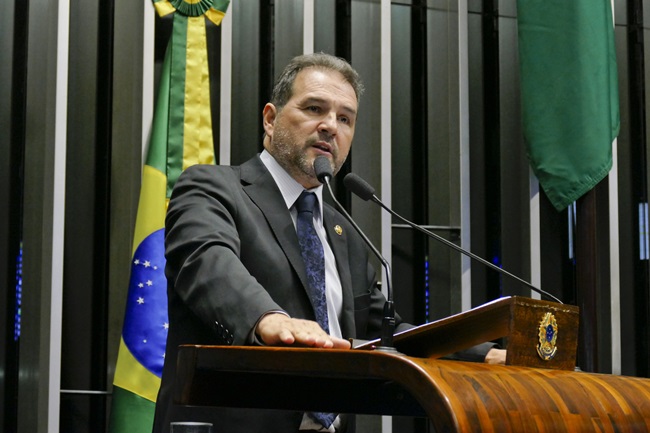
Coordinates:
[312,254]
[311,249]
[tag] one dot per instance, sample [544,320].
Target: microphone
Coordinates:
[363,190]
[324,174]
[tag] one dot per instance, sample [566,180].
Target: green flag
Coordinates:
[181,136]
[569,91]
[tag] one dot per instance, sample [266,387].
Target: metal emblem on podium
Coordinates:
[546,348]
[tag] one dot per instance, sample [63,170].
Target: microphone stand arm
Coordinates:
[467,253]
[388,322]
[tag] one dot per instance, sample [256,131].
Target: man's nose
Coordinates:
[328,124]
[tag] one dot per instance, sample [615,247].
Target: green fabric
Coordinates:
[165,151]
[157,152]
[175,138]
[192,9]
[221,5]
[569,90]
[130,413]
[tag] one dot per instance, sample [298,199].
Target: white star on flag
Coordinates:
[140,300]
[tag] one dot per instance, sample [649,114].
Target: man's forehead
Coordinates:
[319,85]
[324,75]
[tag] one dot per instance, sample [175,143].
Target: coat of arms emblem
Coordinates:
[547,337]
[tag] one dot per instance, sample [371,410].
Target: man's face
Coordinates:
[319,119]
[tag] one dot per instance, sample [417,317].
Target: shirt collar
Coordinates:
[289,187]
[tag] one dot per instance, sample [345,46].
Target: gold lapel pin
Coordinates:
[338,229]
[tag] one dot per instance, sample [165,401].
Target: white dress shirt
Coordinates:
[291,190]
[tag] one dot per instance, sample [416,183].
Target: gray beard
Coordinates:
[292,159]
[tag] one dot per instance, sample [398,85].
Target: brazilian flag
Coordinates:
[181,136]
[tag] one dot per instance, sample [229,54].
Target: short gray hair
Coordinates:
[283,89]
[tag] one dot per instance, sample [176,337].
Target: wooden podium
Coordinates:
[528,395]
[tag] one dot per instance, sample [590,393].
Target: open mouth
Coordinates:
[323,147]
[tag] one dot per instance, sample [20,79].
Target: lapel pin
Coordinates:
[338,230]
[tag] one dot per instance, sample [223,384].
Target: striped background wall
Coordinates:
[458,62]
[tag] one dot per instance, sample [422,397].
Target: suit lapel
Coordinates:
[338,240]
[262,190]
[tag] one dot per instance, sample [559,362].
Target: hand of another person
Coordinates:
[275,329]
[496,356]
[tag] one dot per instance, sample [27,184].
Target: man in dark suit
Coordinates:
[235,268]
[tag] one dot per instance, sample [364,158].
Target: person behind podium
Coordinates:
[235,268]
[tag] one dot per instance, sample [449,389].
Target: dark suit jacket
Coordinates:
[232,255]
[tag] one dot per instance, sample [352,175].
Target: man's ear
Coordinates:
[269,115]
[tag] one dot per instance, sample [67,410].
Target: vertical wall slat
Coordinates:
[226,89]
[386,158]
[465,208]
[58,216]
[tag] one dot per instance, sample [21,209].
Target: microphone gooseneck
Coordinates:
[324,173]
[366,192]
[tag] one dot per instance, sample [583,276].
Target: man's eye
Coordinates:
[314,109]
[344,119]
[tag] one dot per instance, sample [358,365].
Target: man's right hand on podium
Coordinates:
[278,329]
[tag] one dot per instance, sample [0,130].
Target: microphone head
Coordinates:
[358,186]
[323,168]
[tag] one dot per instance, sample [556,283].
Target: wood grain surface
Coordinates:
[455,396]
